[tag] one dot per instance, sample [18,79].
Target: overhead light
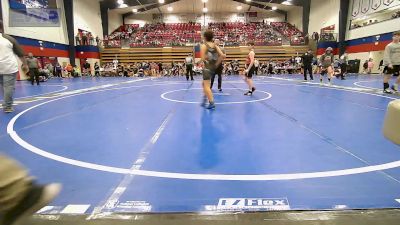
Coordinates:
[204,1]
[135,10]
[205,10]
[161,1]
[274,8]
[239,7]
[286,3]
[248,0]
[170,8]
[120,2]
[123,5]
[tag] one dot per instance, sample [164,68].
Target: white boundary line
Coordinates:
[63,89]
[163,96]
[362,86]
[112,201]
[262,177]
[47,93]
[334,87]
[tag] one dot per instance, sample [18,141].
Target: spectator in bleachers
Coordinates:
[84,38]
[91,39]
[78,39]
[370,65]
[365,66]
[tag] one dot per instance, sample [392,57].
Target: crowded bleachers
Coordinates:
[286,29]
[178,54]
[155,35]
[183,34]
[236,33]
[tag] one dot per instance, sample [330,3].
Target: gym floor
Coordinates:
[123,145]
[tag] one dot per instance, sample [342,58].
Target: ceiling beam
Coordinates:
[140,3]
[261,6]
[294,2]
[112,4]
[150,7]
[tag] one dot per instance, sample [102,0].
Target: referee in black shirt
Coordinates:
[307,63]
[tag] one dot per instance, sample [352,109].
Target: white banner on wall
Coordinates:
[362,8]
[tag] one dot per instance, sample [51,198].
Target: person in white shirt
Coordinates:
[391,61]
[9,49]
[20,196]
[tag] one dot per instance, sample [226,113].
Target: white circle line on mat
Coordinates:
[163,96]
[362,86]
[190,176]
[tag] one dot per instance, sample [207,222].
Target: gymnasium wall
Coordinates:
[51,34]
[369,41]
[362,48]
[295,17]
[199,18]
[114,21]
[369,47]
[87,17]
[324,13]
[52,49]
[374,29]
[141,19]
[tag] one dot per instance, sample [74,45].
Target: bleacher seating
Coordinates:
[178,54]
[236,33]
[156,35]
[184,34]
[286,29]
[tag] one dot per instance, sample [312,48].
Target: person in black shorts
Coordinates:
[391,61]
[189,66]
[307,59]
[250,69]
[326,61]
[343,65]
[212,56]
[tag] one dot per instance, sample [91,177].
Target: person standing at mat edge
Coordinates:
[343,65]
[307,64]
[189,66]
[250,69]
[391,61]
[218,71]
[211,56]
[33,65]
[9,48]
